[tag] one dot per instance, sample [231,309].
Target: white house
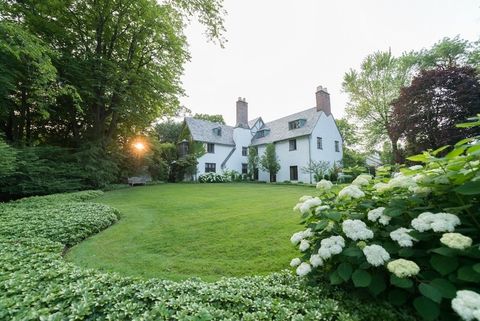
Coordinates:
[309,135]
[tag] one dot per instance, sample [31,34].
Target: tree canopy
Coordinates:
[427,111]
[213,118]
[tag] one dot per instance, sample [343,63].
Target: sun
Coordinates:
[139,146]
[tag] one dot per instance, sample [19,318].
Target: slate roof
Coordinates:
[202,130]
[279,128]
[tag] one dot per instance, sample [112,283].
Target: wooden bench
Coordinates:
[138,180]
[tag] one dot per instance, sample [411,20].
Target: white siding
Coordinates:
[242,138]
[327,129]
[221,152]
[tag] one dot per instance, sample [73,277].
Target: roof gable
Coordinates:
[203,131]
[279,129]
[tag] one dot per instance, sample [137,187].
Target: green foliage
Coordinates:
[214,178]
[36,283]
[253,161]
[8,157]
[212,118]
[269,160]
[447,262]
[168,131]
[319,169]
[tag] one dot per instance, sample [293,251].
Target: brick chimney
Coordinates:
[242,113]
[323,100]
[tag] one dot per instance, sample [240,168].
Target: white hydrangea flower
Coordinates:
[324,185]
[420,190]
[304,245]
[360,181]
[401,236]
[376,255]
[351,191]
[295,262]
[321,208]
[467,305]
[377,214]
[401,181]
[456,241]
[303,269]
[304,198]
[356,230]
[331,246]
[440,222]
[316,260]
[403,268]
[381,187]
[296,238]
[307,204]
[368,177]
[415,167]
[299,236]
[441,180]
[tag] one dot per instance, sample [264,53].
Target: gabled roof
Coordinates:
[252,122]
[279,128]
[202,130]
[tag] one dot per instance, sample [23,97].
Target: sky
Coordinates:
[279,51]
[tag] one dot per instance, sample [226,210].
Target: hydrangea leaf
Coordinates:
[476,267]
[426,308]
[336,216]
[469,188]
[403,283]
[467,273]
[345,271]
[444,265]
[352,252]
[321,225]
[377,285]
[335,279]
[446,288]
[430,292]
[361,278]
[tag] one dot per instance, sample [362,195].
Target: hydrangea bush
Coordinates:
[412,238]
[214,178]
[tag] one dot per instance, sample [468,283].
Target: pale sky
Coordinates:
[279,51]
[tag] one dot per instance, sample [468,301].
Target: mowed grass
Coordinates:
[179,231]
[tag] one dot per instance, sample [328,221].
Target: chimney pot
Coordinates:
[323,100]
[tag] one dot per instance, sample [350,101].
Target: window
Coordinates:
[244,168]
[244,151]
[217,131]
[292,144]
[210,148]
[319,143]
[262,133]
[337,146]
[210,167]
[296,124]
[294,173]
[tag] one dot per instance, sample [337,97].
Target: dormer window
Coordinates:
[217,131]
[296,124]
[262,133]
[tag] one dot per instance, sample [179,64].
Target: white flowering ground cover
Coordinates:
[36,283]
[413,238]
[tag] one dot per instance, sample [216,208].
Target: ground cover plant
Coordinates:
[36,283]
[413,238]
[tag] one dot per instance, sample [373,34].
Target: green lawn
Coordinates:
[178,231]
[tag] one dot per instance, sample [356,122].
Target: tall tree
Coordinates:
[27,82]
[371,91]
[213,118]
[124,57]
[428,110]
[351,139]
[253,161]
[269,161]
[168,131]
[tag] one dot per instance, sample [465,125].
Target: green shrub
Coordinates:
[214,178]
[37,284]
[393,238]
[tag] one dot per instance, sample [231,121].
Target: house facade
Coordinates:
[299,138]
